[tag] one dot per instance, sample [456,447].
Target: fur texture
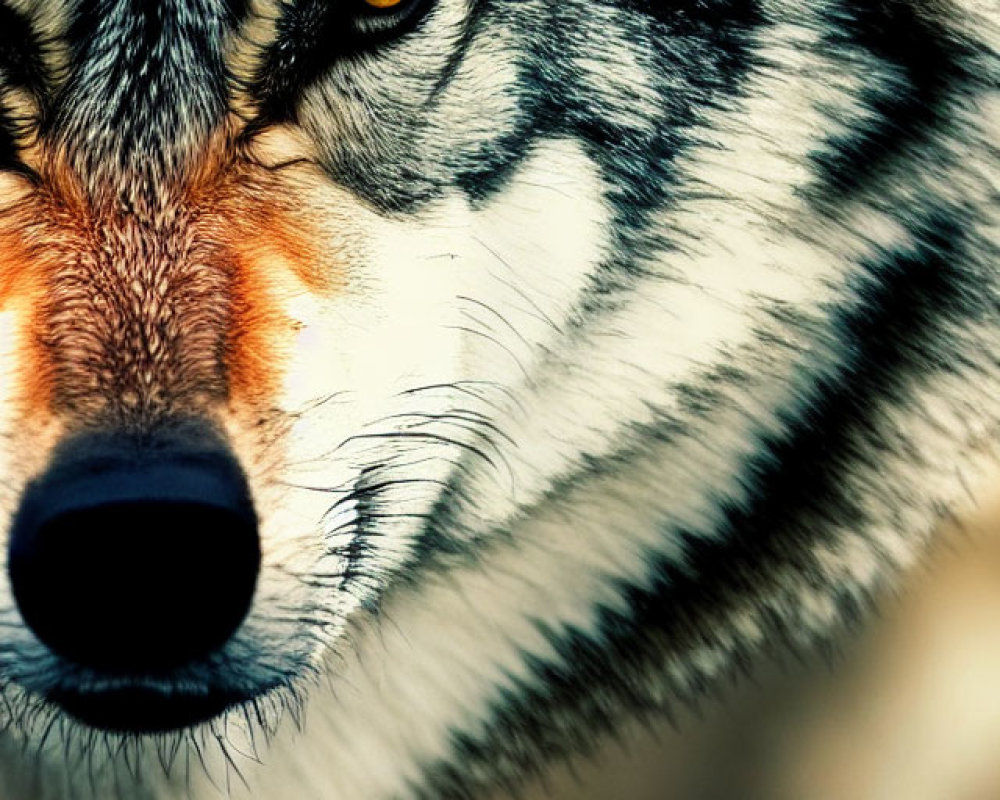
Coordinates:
[574,352]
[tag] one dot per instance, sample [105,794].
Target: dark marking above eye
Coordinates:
[21,63]
[23,68]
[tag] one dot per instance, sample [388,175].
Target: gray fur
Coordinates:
[779,371]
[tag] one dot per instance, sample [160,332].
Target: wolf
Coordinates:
[399,395]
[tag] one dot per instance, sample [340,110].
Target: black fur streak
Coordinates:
[22,67]
[705,43]
[907,111]
[641,167]
[20,52]
[897,332]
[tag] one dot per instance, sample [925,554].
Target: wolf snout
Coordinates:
[133,561]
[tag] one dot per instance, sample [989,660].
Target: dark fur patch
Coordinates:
[896,333]
[927,67]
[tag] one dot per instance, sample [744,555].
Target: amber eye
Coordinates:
[384,3]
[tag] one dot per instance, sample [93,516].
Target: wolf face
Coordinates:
[466,375]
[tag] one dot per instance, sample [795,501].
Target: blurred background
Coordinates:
[909,708]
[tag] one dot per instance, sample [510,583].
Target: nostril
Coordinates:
[136,568]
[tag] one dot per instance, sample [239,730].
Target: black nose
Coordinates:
[136,564]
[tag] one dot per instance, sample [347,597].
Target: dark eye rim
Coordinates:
[373,25]
[313,35]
